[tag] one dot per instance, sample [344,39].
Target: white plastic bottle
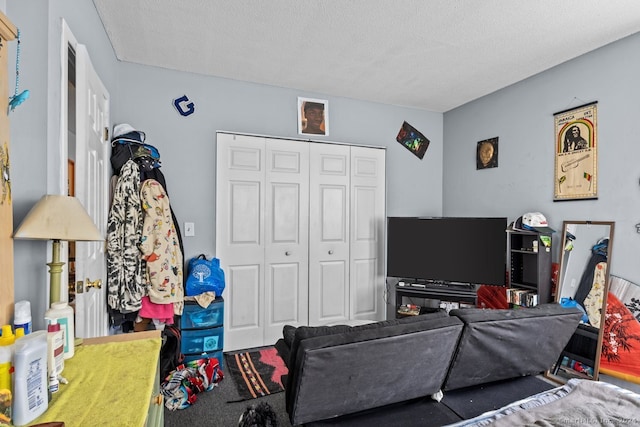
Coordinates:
[30,398]
[55,354]
[63,314]
[22,316]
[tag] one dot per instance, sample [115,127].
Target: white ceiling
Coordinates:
[430,54]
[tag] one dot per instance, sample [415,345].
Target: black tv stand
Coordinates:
[463,293]
[436,284]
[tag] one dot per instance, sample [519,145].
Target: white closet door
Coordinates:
[368,214]
[287,236]
[240,236]
[329,233]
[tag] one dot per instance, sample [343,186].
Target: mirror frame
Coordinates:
[561,278]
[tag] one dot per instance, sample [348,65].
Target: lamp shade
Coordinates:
[58,217]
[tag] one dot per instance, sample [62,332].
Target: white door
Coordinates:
[262,236]
[91,182]
[240,236]
[367,241]
[287,236]
[329,231]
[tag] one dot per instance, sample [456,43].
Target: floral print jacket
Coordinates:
[160,248]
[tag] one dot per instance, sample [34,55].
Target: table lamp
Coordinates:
[57,217]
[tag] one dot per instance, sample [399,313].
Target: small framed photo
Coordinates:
[313,116]
[487,154]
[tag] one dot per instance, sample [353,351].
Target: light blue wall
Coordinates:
[444,183]
[187,144]
[35,125]
[142,96]
[522,117]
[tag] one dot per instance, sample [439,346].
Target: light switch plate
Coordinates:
[189,229]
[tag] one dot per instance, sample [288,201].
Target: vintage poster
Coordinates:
[576,153]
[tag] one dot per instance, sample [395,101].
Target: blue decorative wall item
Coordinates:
[17,98]
[184,106]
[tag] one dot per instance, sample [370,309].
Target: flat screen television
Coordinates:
[447,250]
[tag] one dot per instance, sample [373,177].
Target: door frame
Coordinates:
[57,175]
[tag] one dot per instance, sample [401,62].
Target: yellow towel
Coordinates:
[110,384]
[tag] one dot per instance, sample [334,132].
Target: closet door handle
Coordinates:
[330,252]
[287,253]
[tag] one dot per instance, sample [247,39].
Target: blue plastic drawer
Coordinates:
[202,340]
[196,317]
[217,354]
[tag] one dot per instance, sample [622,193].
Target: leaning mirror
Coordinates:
[585,261]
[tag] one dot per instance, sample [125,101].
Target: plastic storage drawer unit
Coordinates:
[203,331]
[196,317]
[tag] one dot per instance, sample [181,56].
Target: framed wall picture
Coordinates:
[412,140]
[487,154]
[576,153]
[313,116]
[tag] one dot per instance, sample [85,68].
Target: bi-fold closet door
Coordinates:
[299,233]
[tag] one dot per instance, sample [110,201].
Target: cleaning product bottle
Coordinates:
[7,337]
[55,354]
[22,316]
[6,370]
[30,398]
[63,314]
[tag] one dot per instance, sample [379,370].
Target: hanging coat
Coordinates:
[160,248]
[124,230]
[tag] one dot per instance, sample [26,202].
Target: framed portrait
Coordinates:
[487,154]
[412,140]
[313,116]
[576,153]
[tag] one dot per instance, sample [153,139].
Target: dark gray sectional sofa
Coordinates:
[355,375]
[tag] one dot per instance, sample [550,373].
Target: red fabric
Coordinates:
[271,357]
[621,340]
[492,297]
[162,312]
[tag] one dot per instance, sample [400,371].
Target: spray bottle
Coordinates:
[22,316]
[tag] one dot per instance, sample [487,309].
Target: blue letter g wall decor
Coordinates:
[184,106]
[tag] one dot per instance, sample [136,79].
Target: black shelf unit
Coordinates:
[530,263]
[452,293]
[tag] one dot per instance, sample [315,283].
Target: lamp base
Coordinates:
[55,272]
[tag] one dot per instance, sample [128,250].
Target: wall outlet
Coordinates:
[189,229]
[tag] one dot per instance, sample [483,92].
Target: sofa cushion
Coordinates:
[501,344]
[293,335]
[364,368]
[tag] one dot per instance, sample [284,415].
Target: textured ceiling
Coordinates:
[430,54]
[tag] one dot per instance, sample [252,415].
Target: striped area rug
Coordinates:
[256,372]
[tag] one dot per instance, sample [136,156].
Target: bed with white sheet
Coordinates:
[577,403]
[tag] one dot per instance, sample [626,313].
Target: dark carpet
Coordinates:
[473,401]
[223,406]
